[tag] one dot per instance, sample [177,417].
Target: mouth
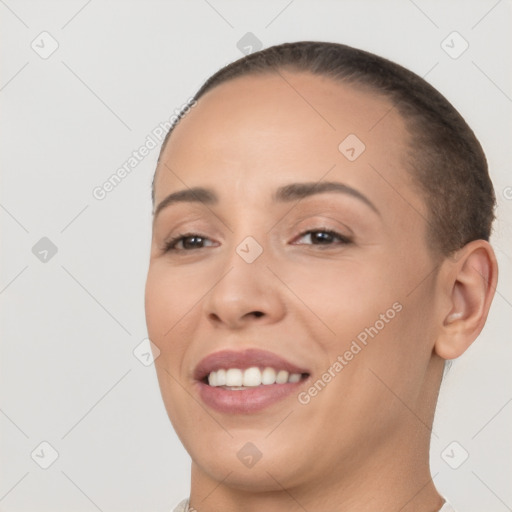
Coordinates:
[247,381]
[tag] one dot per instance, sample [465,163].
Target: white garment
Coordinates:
[183,507]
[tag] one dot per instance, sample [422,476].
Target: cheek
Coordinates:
[173,298]
[157,303]
[366,313]
[169,296]
[169,301]
[166,305]
[346,296]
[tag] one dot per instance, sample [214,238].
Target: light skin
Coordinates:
[362,443]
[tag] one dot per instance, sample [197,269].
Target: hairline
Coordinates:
[417,108]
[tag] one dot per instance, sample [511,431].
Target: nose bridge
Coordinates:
[248,236]
[244,288]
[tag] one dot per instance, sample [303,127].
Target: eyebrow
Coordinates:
[297,191]
[286,193]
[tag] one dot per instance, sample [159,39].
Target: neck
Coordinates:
[395,477]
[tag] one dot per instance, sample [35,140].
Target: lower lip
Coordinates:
[247,400]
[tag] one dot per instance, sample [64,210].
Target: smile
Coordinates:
[235,378]
[246,382]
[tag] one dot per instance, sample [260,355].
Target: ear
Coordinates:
[471,275]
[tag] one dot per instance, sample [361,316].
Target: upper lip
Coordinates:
[243,359]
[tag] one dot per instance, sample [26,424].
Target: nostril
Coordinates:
[258,313]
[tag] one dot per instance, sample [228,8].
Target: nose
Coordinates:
[246,293]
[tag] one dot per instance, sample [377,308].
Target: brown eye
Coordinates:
[324,237]
[185,242]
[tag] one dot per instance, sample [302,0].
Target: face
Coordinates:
[331,283]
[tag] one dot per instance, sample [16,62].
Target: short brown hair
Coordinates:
[447,160]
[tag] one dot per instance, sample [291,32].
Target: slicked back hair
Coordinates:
[445,158]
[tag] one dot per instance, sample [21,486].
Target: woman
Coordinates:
[320,250]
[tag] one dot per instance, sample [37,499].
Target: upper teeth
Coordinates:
[234,377]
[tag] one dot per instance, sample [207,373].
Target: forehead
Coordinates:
[267,129]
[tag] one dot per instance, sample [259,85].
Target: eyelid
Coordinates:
[310,223]
[319,220]
[169,242]
[345,239]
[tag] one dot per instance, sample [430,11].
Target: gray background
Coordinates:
[69,325]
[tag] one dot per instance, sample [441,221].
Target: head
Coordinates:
[344,228]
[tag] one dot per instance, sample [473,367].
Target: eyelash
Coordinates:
[170,245]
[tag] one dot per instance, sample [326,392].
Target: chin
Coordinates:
[262,477]
[249,468]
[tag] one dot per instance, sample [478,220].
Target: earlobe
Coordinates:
[472,279]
